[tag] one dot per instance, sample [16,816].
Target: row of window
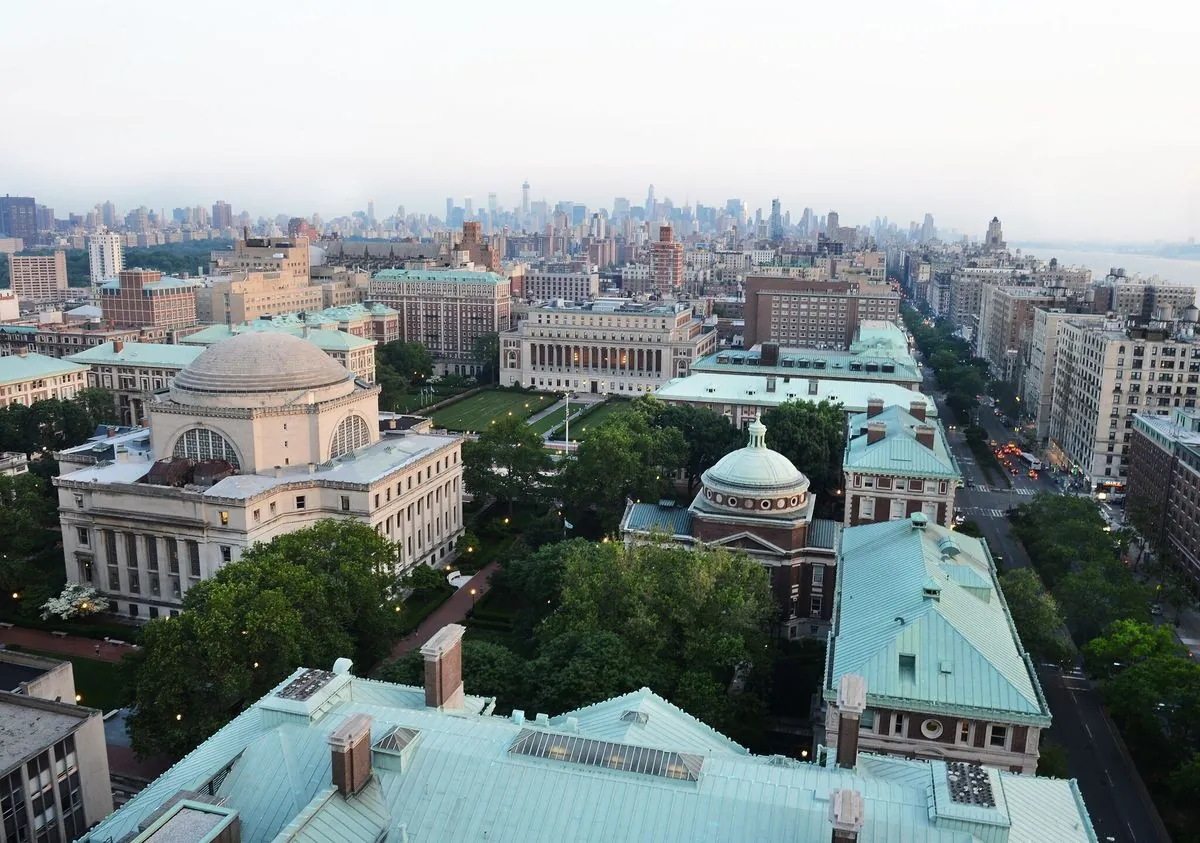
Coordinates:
[997,736]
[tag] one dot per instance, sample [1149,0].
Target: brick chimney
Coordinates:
[925,435]
[851,703]
[876,432]
[846,813]
[118,346]
[350,746]
[443,668]
[874,407]
[916,409]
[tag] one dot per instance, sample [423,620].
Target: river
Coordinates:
[1168,269]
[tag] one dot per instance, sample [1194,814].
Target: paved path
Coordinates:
[541,414]
[452,611]
[70,645]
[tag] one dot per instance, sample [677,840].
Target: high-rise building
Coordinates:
[468,207]
[222,214]
[666,262]
[106,256]
[45,218]
[832,224]
[928,232]
[1164,480]
[39,278]
[449,209]
[650,203]
[371,211]
[994,242]
[18,218]
[797,312]
[108,215]
[144,298]
[525,202]
[776,221]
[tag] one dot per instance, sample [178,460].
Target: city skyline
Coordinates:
[1017,111]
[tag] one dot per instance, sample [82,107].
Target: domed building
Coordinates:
[260,435]
[756,501]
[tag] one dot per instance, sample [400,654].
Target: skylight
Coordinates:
[607,755]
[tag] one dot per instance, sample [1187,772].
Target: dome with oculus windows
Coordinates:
[756,478]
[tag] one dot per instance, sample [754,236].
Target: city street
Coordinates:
[1120,807]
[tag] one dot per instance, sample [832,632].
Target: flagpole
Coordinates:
[568,433]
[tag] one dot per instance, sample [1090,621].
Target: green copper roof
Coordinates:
[16,368]
[939,637]
[899,452]
[322,339]
[448,275]
[139,354]
[657,518]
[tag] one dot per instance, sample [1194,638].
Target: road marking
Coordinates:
[1132,836]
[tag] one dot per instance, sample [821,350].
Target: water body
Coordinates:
[1168,269]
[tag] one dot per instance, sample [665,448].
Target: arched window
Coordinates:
[201,444]
[350,435]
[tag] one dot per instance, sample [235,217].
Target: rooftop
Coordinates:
[18,368]
[139,353]
[167,282]
[29,725]
[18,668]
[751,390]
[939,637]
[626,306]
[445,275]
[326,340]
[804,362]
[899,452]
[631,768]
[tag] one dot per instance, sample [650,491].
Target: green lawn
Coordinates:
[611,407]
[415,401]
[96,681]
[478,411]
[556,418]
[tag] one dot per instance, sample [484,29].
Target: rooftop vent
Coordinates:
[607,755]
[919,520]
[305,685]
[969,784]
[639,717]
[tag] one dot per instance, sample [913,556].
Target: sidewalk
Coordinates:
[69,645]
[452,611]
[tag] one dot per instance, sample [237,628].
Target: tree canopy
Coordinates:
[813,437]
[508,462]
[708,436]
[54,424]
[306,598]
[487,350]
[1035,612]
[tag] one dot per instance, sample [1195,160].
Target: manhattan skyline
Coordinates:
[1024,112]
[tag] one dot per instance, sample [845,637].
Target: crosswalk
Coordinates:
[1022,492]
[982,512]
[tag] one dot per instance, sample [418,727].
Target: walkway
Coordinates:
[67,645]
[452,611]
[541,414]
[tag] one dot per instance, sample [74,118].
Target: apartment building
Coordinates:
[245,295]
[106,256]
[605,346]
[39,279]
[285,255]
[666,262]
[260,435]
[63,340]
[562,283]
[1164,481]
[1106,374]
[132,371]
[1035,382]
[28,377]
[816,314]
[897,462]
[446,310]
[140,298]
[1138,298]
[1006,322]
[921,621]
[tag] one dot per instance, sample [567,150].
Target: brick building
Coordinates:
[666,262]
[796,312]
[38,279]
[1164,481]
[144,298]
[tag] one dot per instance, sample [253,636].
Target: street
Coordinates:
[1119,805]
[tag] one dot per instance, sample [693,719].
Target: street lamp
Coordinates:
[474,593]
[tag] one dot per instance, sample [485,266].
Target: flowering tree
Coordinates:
[76,600]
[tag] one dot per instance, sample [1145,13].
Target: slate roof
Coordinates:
[461,781]
[656,518]
[968,660]
[899,452]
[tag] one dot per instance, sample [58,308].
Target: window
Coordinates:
[81,534]
[133,610]
[201,444]
[997,736]
[899,724]
[300,502]
[932,729]
[257,515]
[272,509]
[346,502]
[866,508]
[815,605]
[916,485]
[226,553]
[193,559]
[350,435]
[172,556]
[897,510]
[964,732]
[818,575]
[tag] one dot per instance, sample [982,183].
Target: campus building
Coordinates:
[39,279]
[26,378]
[921,618]
[796,312]
[260,435]
[355,353]
[606,346]
[1164,481]
[288,256]
[133,371]
[140,298]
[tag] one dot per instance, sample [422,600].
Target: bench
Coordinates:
[59,634]
[5,625]
[116,642]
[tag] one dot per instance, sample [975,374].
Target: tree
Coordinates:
[304,599]
[1096,594]
[1036,615]
[708,435]
[488,670]
[76,600]
[1127,642]
[509,462]
[487,350]
[424,581]
[813,437]
[410,360]
[1156,703]
[622,458]
[100,405]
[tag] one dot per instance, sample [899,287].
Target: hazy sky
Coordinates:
[1065,118]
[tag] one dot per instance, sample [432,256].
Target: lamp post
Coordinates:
[567,430]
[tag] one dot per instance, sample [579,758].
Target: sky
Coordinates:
[1067,119]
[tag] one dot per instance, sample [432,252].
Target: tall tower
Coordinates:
[995,237]
[928,232]
[106,259]
[776,221]
[371,211]
[449,208]
[832,224]
[525,202]
[650,203]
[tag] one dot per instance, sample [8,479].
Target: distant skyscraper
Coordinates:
[666,262]
[776,221]
[928,232]
[650,203]
[832,224]
[371,211]
[468,207]
[995,237]
[18,218]
[525,202]
[106,256]
[449,208]
[620,208]
[222,214]
[108,214]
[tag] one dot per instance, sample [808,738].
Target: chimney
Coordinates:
[925,435]
[851,703]
[118,346]
[443,668]
[846,810]
[312,468]
[876,432]
[770,384]
[874,407]
[917,410]
[350,746]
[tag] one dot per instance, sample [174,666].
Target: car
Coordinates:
[960,519]
[1156,608]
